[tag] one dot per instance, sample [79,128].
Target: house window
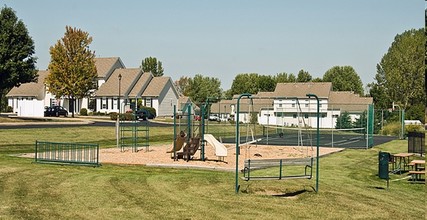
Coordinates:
[293,105]
[148,102]
[305,115]
[306,105]
[295,116]
[280,105]
[103,103]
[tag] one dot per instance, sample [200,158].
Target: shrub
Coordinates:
[392,129]
[414,128]
[151,110]
[113,116]
[9,109]
[83,112]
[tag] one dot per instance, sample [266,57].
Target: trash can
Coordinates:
[416,143]
[383,159]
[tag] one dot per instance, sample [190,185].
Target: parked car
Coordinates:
[144,114]
[55,111]
[214,117]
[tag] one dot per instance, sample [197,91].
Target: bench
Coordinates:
[415,173]
[292,163]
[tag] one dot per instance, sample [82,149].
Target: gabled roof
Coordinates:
[348,101]
[300,90]
[156,86]
[111,86]
[141,85]
[245,105]
[106,65]
[33,89]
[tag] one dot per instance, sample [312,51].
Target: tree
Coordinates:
[343,121]
[182,85]
[245,83]
[378,91]
[285,78]
[150,64]
[304,76]
[400,74]
[344,78]
[17,63]
[200,87]
[266,83]
[72,66]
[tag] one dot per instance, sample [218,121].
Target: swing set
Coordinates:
[279,169]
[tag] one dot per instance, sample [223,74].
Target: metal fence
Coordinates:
[67,153]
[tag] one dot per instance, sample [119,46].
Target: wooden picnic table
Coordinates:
[417,171]
[400,159]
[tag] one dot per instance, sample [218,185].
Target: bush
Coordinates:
[9,109]
[414,128]
[113,116]
[83,112]
[392,129]
[151,110]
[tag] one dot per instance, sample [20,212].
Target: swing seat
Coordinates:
[252,165]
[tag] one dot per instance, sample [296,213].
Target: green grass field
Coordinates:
[348,188]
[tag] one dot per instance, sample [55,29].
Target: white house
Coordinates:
[30,99]
[289,105]
[136,86]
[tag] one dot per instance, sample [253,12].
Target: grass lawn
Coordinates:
[348,188]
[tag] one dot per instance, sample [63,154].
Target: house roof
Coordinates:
[33,89]
[156,86]
[300,90]
[348,101]
[106,65]
[111,86]
[245,105]
[141,85]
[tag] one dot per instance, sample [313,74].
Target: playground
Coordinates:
[157,156]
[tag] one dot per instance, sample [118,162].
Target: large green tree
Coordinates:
[17,63]
[151,64]
[72,66]
[304,76]
[344,78]
[200,87]
[182,85]
[400,75]
[252,83]
[245,83]
[285,78]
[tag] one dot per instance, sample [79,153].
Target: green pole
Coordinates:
[174,132]
[202,120]
[238,140]
[189,121]
[317,141]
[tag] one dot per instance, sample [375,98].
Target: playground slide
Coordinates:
[220,149]
[178,144]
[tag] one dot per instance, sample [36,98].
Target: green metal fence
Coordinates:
[68,153]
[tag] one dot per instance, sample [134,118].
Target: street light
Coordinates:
[120,79]
[118,115]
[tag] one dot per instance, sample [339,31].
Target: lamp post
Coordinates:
[118,115]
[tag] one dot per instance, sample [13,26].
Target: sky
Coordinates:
[223,38]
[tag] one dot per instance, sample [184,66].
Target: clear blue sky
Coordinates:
[223,38]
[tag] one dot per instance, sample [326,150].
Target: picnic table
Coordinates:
[418,169]
[400,162]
